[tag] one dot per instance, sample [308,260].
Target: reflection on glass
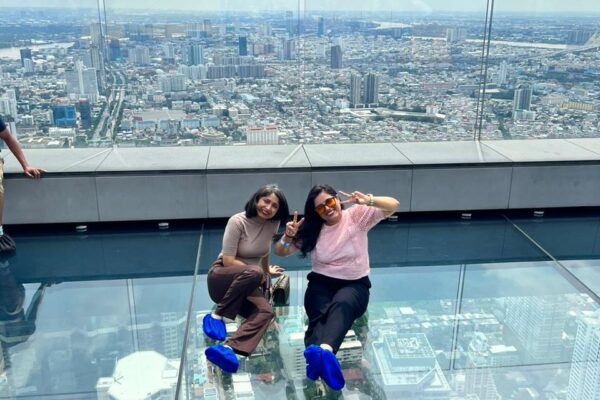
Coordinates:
[296,71]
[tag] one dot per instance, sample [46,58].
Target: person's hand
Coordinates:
[275,270]
[291,228]
[355,198]
[33,172]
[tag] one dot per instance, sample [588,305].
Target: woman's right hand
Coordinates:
[291,228]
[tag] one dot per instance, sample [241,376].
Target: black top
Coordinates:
[2,125]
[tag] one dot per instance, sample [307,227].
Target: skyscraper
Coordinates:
[97,62]
[584,377]
[355,89]
[479,379]
[522,98]
[115,50]
[140,55]
[85,114]
[288,49]
[63,115]
[289,22]
[25,54]
[371,88]
[320,26]
[243,45]
[502,73]
[455,35]
[538,323]
[193,54]
[336,57]
[172,83]
[82,81]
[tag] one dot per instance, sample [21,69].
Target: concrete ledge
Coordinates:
[89,185]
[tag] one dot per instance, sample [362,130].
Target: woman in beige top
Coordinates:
[239,278]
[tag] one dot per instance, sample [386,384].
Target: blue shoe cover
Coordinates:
[312,355]
[214,328]
[331,371]
[223,357]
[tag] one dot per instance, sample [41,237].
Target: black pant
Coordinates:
[332,306]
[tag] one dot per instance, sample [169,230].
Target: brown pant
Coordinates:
[236,290]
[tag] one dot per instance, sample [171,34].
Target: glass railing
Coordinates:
[103,73]
[483,307]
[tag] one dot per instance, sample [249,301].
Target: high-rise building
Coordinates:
[538,323]
[522,98]
[584,378]
[336,57]
[320,26]
[115,50]
[405,366]
[25,54]
[243,45]
[29,66]
[355,89]
[85,113]
[371,88]
[456,35]
[8,104]
[64,115]
[251,71]
[97,62]
[193,54]
[96,33]
[140,55]
[268,134]
[479,379]
[502,73]
[289,23]
[169,51]
[288,49]
[579,36]
[82,81]
[172,83]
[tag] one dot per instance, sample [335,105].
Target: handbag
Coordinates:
[281,291]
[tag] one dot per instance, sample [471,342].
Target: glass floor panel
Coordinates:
[458,310]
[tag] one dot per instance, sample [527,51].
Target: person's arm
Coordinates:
[387,204]
[15,148]
[285,247]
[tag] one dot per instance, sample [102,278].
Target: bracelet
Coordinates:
[287,236]
[371,201]
[284,243]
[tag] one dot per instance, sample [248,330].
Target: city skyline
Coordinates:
[308,6]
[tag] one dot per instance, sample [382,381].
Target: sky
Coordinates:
[426,6]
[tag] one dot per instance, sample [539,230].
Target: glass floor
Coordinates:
[490,308]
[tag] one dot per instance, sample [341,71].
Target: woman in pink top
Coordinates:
[238,279]
[338,286]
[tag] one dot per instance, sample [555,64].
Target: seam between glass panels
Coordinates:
[189,317]
[560,268]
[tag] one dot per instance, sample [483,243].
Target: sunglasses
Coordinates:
[330,203]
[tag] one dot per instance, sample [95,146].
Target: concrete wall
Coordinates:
[91,185]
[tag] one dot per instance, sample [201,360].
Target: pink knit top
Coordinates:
[342,249]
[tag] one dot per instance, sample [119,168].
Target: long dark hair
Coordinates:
[283,212]
[311,227]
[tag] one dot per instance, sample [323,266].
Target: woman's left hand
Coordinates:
[275,270]
[355,197]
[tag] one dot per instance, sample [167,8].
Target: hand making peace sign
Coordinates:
[291,228]
[355,197]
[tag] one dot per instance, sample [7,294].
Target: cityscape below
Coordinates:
[88,78]
[458,311]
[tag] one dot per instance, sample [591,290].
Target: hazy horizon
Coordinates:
[412,6]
